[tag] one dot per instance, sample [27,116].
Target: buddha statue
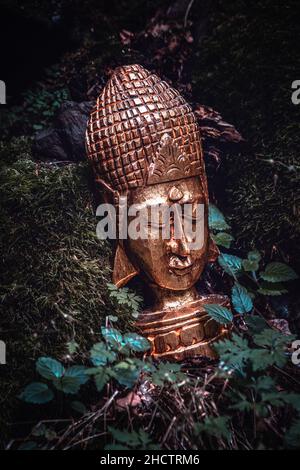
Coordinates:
[143,143]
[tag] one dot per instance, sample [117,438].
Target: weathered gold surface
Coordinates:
[143,141]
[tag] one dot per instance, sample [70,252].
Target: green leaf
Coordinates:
[126,373]
[72,380]
[222,239]
[77,372]
[249,265]
[49,368]
[37,392]
[241,300]
[214,426]
[233,353]
[136,342]
[272,288]
[255,323]
[216,219]
[101,355]
[168,372]
[112,336]
[254,256]
[278,272]
[231,264]
[220,314]
[72,347]
[101,378]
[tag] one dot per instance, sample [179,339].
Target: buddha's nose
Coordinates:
[179,246]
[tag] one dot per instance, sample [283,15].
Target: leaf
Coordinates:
[101,378]
[272,288]
[254,256]
[255,323]
[72,380]
[249,265]
[77,372]
[222,239]
[233,353]
[126,373]
[168,372]
[101,355]
[231,264]
[37,392]
[49,368]
[72,347]
[136,342]
[278,272]
[216,219]
[220,314]
[214,426]
[241,300]
[112,336]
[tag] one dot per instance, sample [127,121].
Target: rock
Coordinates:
[65,139]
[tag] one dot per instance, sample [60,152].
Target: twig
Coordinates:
[187,12]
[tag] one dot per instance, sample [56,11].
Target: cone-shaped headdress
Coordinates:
[141,131]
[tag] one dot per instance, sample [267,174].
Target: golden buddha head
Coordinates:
[143,142]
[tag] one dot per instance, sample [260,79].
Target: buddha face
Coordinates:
[175,262]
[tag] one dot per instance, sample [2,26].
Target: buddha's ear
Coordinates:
[213,251]
[123,268]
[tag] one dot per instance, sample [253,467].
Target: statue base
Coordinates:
[183,332]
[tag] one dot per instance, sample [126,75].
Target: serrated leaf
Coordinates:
[37,392]
[49,368]
[222,239]
[112,336]
[136,342]
[250,266]
[230,263]
[101,378]
[219,313]
[214,426]
[216,219]
[78,372]
[278,272]
[68,385]
[72,380]
[241,300]
[101,355]
[126,373]
[272,288]
[72,347]
[254,256]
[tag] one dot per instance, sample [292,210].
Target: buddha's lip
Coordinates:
[181,267]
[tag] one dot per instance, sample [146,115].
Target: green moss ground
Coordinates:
[54,270]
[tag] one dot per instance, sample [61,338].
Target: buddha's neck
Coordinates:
[166,299]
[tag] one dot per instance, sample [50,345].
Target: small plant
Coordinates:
[125,298]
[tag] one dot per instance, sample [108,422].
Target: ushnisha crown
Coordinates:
[142,132]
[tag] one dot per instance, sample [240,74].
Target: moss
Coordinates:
[54,269]
[244,68]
